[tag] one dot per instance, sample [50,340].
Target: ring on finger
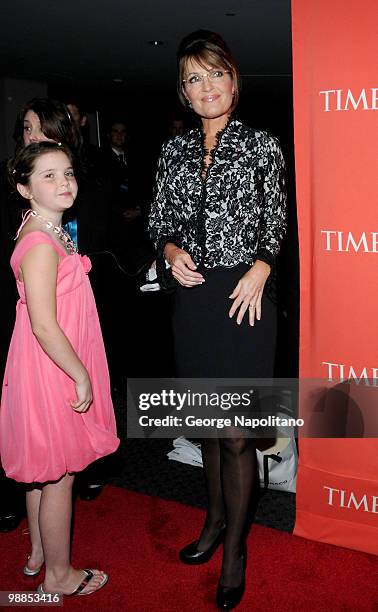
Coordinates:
[251,306]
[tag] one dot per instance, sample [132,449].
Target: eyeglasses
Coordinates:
[196,79]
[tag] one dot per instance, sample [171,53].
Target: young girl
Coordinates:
[56,412]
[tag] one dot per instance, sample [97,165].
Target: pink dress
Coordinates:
[41,436]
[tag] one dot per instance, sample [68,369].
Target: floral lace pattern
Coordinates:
[236,212]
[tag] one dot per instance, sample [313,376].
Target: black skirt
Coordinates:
[208,344]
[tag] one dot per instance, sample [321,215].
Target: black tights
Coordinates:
[229,467]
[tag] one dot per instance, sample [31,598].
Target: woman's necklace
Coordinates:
[60,232]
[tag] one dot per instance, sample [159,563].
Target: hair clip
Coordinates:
[13,171]
[59,144]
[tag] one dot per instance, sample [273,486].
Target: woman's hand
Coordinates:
[182,265]
[84,395]
[247,294]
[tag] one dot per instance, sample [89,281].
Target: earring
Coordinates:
[190,104]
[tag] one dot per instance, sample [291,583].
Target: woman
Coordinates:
[218,218]
[45,119]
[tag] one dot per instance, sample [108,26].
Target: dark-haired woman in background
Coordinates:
[41,119]
[44,119]
[218,218]
[47,119]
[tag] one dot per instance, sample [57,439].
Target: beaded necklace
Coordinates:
[60,232]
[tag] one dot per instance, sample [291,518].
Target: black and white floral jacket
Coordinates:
[236,212]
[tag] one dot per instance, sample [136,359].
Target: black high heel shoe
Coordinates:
[192,556]
[229,597]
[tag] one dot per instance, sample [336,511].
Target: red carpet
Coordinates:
[135,538]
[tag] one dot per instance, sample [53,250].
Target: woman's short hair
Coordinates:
[208,49]
[22,165]
[56,123]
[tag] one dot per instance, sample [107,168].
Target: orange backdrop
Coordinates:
[335,110]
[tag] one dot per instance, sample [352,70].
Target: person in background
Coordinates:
[90,153]
[78,115]
[117,159]
[218,219]
[48,119]
[176,127]
[130,186]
